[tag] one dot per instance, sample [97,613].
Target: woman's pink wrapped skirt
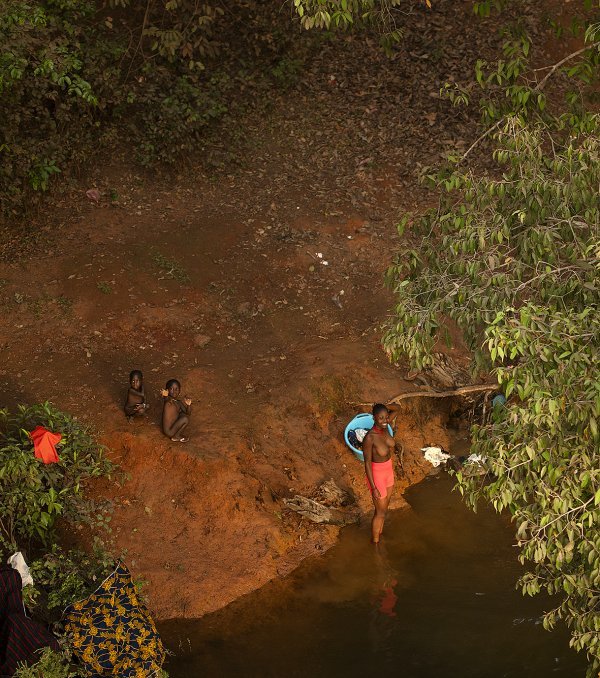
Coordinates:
[383,476]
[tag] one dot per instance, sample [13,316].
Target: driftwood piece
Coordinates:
[447,372]
[463,390]
[326,510]
[317,512]
[331,495]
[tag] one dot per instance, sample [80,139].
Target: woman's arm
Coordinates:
[368,455]
[393,411]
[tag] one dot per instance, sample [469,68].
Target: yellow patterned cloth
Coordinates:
[113,633]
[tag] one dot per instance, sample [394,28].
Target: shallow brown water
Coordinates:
[436,600]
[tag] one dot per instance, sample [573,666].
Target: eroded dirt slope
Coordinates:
[259,285]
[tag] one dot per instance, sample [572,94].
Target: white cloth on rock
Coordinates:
[17,562]
[475,459]
[435,456]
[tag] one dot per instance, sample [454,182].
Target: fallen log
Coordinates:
[438,394]
[317,512]
[330,494]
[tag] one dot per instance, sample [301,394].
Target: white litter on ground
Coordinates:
[435,456]
[17,562]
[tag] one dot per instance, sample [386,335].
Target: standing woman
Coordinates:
[378,446]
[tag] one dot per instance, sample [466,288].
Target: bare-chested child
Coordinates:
[176,414]
[135,405]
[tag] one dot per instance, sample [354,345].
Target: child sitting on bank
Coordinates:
[135,405]
[176,414]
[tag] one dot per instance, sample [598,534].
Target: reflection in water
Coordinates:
[437,598]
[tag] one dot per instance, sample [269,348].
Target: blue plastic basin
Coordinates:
[364,420]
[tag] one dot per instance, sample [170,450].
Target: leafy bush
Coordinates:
[44,89]
[51,665]
[56,665]
[287,71]
[33,494]
[512,258]
[77,75]
[172,113]
[63,577]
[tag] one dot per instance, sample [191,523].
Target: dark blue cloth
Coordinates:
[20,636]
[112,631]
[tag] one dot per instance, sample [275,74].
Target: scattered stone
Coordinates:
[93,194]
[201,340]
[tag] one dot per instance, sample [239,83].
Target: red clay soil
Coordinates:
[220,280]
[203,522]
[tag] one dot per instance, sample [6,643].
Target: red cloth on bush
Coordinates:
[44,444]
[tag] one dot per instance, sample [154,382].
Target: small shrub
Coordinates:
[287,71]
[51,665]
[33,494]
[63,577]
[170,268]
[172,113]
[65,304]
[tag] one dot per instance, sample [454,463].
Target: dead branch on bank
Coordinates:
[478,388]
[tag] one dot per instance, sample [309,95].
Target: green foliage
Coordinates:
[33,495]
[73,78]
[42,87]
[51,665]
[174,112]
[513,258]
[56,665]
[510,87]
[286,71]
[170,268]
[484,8]
[63,577]
[386,16]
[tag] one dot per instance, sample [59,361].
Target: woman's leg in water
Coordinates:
[387,500]
[381,507]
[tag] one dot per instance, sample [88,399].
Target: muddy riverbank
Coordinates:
[437,598]
[258,282]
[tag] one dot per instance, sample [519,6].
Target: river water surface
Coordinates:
[436,600]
